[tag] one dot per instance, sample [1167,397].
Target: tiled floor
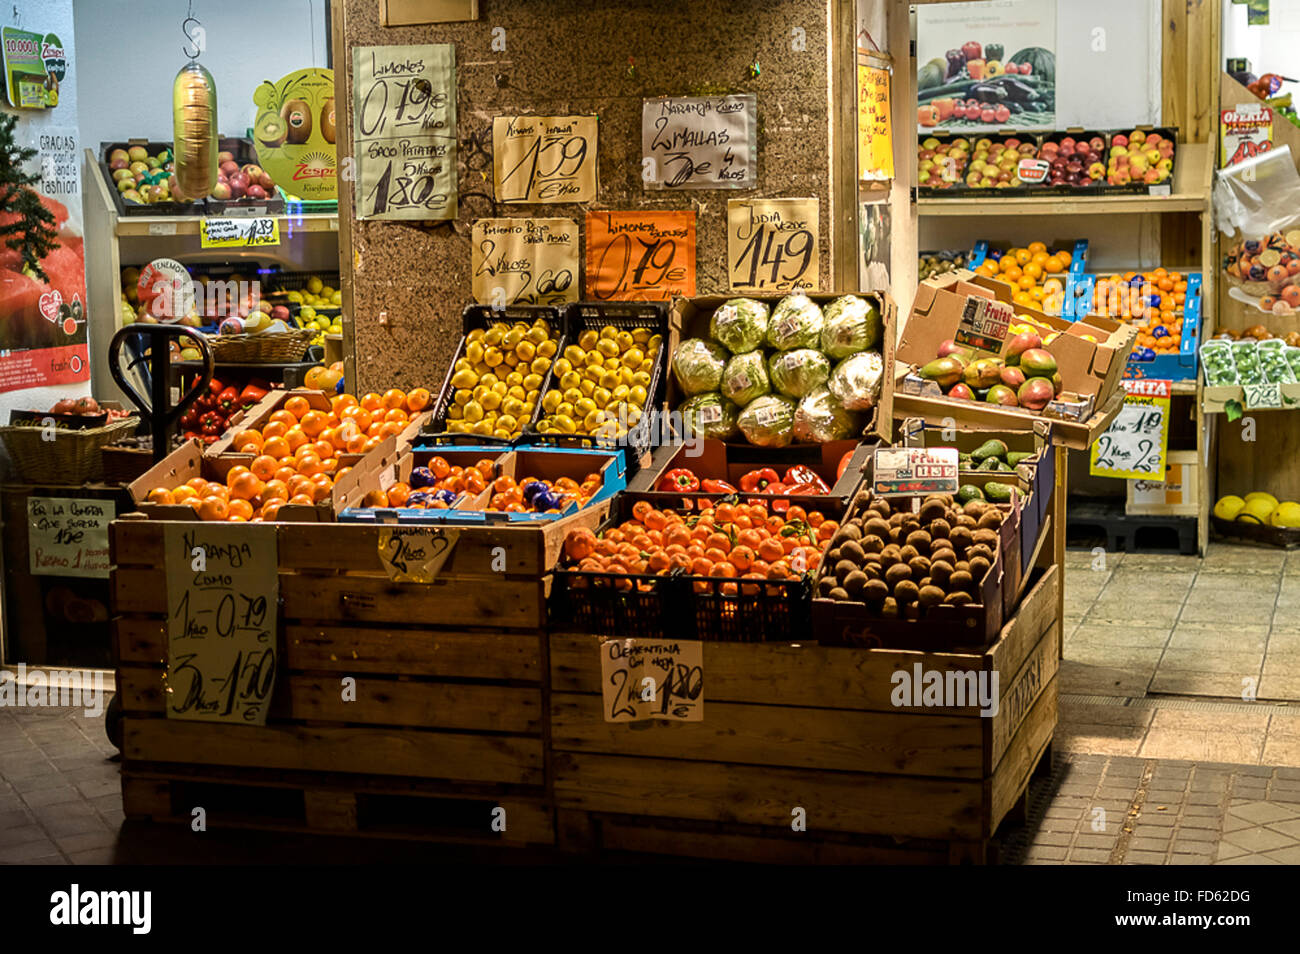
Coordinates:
[1178,743]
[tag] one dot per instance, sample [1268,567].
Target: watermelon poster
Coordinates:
[986,66]
[42,261]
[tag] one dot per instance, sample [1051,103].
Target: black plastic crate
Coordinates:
[629,315]
[645,605]
[760,611]
[484,316]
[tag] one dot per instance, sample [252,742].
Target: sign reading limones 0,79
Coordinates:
[222,592]
[404,131]
[640,256]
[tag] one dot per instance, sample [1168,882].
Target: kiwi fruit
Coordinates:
[880,506]
[854,582]
[825,585]
[991,519]
[896,519]
[895,534]
[943,555]
[907,553]
[920,567]
[862,498]
[906,592]
[852,550]
[876,591]
[957,599]
[897,573]
[851,530]
[939,529]
[978,567]
[919,539]
[912,611]
[838,593]
[872,544]
[845,567]
[874,569]
[932,509]
[980,550]
[878,526]
[940,572]
[889,609]
[965,520]
[986,537]
[833,556]
[960,580]
[931,596]
[889,556]
[974,509]
[961,538]
[962,565]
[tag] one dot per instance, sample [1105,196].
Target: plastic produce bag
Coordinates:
[745,378]
[821,418]
[768,421]
[795,373]
[1220,369]
[797,322]
[852,324]
[1257,202]
[739,325]
[855,382]
[709,415]
[698,365]
[1273,362]
[1245,357]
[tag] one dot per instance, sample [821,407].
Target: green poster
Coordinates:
[1257,13]
[34,65]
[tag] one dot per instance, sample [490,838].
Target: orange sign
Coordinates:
[640,256]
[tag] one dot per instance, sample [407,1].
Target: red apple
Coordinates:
[224,156]
[256,192]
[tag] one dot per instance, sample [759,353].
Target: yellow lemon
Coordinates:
[587,340]
[1228,507]
[1260,495]
[1287,514]
[473,412]
[1255,511]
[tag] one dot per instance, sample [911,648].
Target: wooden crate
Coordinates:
[791,726]
[450,689]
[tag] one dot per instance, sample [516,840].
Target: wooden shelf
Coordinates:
[1191,194]
[168,226]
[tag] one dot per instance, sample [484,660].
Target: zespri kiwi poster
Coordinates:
[986,66]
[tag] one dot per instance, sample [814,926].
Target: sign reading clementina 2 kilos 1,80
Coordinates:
[294,134]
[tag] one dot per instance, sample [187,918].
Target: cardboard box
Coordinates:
[1091,371]
[1178,495]
[690,319]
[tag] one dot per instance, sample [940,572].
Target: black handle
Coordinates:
[161,422]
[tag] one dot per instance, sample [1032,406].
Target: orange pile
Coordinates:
[296,455]
[728,540]
[1031,272]
[1157,303]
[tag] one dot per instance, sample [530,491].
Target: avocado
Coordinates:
[989,463]
[1004,466]
[1016,457]
[968,492]
[996,492]
[990,448]
[966,462]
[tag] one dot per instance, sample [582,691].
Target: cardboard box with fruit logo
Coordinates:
[966,365]
[777,371]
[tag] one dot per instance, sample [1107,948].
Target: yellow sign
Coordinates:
[544,158]
[875,140]
[1137,441]
[294,134]
[525,261]
[772,245]
[415,554]
[233,233]
[640,256]
[652,679]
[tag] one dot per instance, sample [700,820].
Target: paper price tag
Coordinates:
[640,256]
[1137,441]
[222,594]
[544,158]
[984,324]
[415,554]
[875,131]
[708,142]
[773,245]
[232,233]
[915,470]
[1033,171]
[68,536]
[1262,396]
[525,261]
[652,679]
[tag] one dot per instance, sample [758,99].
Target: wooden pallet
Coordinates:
[800,726]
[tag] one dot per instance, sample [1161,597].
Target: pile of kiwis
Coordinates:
[900,562]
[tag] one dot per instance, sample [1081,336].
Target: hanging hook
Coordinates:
[196,40]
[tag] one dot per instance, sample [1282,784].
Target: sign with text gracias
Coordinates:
[701,142]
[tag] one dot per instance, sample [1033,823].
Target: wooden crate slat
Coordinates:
[420,754]
[480,551]
[906,742]
[136,542]
[141,640]
[139,591]
[1022,755]
[1019,691]
[1020,635]
[757,795]
[510,604]
[414,652]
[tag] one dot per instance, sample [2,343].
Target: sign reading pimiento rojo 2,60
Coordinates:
[222,592]
[404,131]
[772,244]
[640,256]
[524,261]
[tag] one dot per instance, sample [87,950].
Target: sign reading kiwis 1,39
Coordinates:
[700,142]
[404,131]
[294,134]
[544,158]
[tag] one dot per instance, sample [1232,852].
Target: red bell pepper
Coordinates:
[843,465]
[679,480]
[760,481]
[228,399]
[252,393]
[212,423]
[711,486]
[800,476]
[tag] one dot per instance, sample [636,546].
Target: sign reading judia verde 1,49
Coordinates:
[294,134]
[404,131]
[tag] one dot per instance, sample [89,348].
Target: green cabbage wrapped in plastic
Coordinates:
[795,373]
[821,418]
[797,322]
[852,324]
[855,382]
[698,365]
[768,421]
[708,415]
[745,378]
[739,325]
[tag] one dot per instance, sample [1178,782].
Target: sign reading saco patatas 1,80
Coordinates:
[700,142]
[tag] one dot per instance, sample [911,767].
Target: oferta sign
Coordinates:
[34,66]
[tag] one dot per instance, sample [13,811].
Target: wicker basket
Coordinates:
[282,347]
[73,457]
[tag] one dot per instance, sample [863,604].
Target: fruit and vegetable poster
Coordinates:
[525,261]
[700,142]
[222,592]
[42,305]
[67,536]
[640,256]
[293,134]
[986,66]
[404,131]
[34,65]
[1137,441]
[544,158]
[773,245]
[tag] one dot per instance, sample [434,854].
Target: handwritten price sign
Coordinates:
[652,679]
[68,536]
[875,136]
[703,142]
[984,324]
[1137,441]
[544,158]
[640,256]
[222,592]
[773,244]
[415,554]
[236,233]
[525,261]
[404,131]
